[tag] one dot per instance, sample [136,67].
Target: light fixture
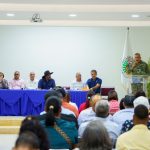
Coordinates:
[36,18]
[135,16]
[72,15]
[10,15]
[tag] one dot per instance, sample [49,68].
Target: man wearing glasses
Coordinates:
[94,83]
[16,82]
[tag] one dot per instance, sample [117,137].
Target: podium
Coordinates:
[140,82]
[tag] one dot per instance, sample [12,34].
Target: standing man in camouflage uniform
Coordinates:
[138,69]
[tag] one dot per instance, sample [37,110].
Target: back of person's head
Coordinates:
[67,96]
[60,90]
[90,94]
[94,99]
[141,100]
[52,93]
[53,108]
[140,93]
[88,98]
[112,95]
[95,137]
[32,124]
[140,115]
[121,104]
[27,141]
[102,108]
[128,101]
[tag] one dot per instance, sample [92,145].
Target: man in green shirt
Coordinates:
[139,70]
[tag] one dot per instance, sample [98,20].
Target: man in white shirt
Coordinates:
[16,83]
[102,114]
[32,83]
[89,113]
[126,114]
[78,84]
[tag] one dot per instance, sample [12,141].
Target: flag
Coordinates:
[127,60]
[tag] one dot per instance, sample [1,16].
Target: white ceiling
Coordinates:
[72,2]
[89,12]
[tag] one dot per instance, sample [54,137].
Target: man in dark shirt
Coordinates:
[46,82]
[94,83]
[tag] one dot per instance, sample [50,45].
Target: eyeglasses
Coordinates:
[16,74]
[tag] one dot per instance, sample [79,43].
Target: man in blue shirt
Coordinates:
[46,82]
[94,83]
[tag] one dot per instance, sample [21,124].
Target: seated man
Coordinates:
[138,137]
[3,82]
[121,116]
[78,84]
[102,114]
[65,103]
[128,124]
[89,113]
[17,83]
[94,83]
[32,83]
[46,82]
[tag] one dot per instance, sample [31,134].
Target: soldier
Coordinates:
[138,68]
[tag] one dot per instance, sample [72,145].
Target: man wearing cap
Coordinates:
[46,82]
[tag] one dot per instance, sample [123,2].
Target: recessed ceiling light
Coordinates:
[135,16]
[10,14]
[72,15]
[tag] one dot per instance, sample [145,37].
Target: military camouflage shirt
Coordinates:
[139,69]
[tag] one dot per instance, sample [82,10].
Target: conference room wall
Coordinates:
[66,50]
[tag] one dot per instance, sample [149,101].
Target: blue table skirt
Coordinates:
[29,102]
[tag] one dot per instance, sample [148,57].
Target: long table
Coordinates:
[29,102]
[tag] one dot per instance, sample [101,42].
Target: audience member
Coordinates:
[95,137]
[62,134]
[65,103]
[86,104]
[66,114]
[94,83]
[121,116]
[88,114]
[121,104]
[27,141]
[138,137]
[68,100]
[3,82]
[17,83]
[32,83]
[102,114]
[46,82]
[140,93]
[128,124]
[78,84]
[113,102]
[32,124]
